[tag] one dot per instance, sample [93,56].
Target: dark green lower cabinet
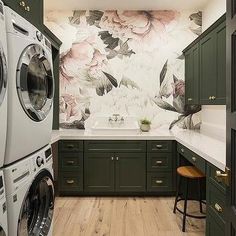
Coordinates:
[99,172]
[130,172]
[214,227]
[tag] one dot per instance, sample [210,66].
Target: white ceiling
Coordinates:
[123,4]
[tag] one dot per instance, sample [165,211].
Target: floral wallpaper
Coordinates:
[126,62]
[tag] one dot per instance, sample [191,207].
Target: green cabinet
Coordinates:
[99,172]
[119,172]
[205,67]
[31,10]
[216,204]
[70,167]
[130,171]
[212,66]
[192,75]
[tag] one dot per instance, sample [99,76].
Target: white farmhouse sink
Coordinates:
[102,126]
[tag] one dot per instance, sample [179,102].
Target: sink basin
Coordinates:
[102,126]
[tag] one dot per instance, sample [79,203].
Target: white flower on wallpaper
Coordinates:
[127,62]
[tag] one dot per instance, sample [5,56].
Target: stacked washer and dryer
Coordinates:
[28,162]
[3,119]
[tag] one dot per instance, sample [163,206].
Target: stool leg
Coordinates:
[185,206]
[200,194]
[177,194]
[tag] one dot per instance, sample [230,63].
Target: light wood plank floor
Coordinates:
[122,216]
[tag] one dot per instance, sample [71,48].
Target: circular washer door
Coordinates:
[35,83]
[2,232]
[3,74]
[36,213]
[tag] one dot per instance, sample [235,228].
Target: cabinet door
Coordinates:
[213,226]
[130,172]
[208,70]
[99,172]
[220,93]
[32,10]
[192,75]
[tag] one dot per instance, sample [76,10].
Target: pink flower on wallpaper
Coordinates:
[137,25]
[82,55]
[178,88]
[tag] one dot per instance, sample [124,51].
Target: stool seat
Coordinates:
[190,172]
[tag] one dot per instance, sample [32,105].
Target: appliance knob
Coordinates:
[39,36]
[39,161]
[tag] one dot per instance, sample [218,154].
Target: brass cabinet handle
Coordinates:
[70,146]
[112,158]
[70,162]
[117,158]
[70,181]
[218,208]
[22,3]
[190,99]
[182,150]
[194,159]
[159,146]
[159,181]
[210,98]
[222,177]
[213,97]
[27,8]
[159,162]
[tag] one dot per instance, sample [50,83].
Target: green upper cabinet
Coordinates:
[32,10]
[130,172]
[212,66]
[192,75]
[205,63]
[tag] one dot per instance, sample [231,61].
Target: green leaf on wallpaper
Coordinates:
[163,72]
[175,78]
[111,79]
[124,50]
[112,53]
[75,19]
[163,104]
[94,16]
[196,18]
[107,38]
[128,83]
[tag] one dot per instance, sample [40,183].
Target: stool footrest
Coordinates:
[190,215]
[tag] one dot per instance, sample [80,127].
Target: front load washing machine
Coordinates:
[3,84]
[3,208]
[30,90]
[30,195]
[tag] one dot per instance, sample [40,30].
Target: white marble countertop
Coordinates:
[212,150]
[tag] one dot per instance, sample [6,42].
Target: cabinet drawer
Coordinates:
[159,146]
[211,173]
[192,157]
[159,182]
[114,146]
[71,161]
[159,161]
[216,200]
[70,146]
[71,181]
[213,225]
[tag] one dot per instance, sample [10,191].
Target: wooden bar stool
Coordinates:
[188,173]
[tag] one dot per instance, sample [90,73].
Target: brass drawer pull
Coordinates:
[213,97]
[194,159]
[70,162]
[182,150]
[159,162]
[210,98]
[22,3]
[70,146]
[159,146]
[112,158]
[218,208]
[70,181]
[190,99]
[159,181]
[27,8]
